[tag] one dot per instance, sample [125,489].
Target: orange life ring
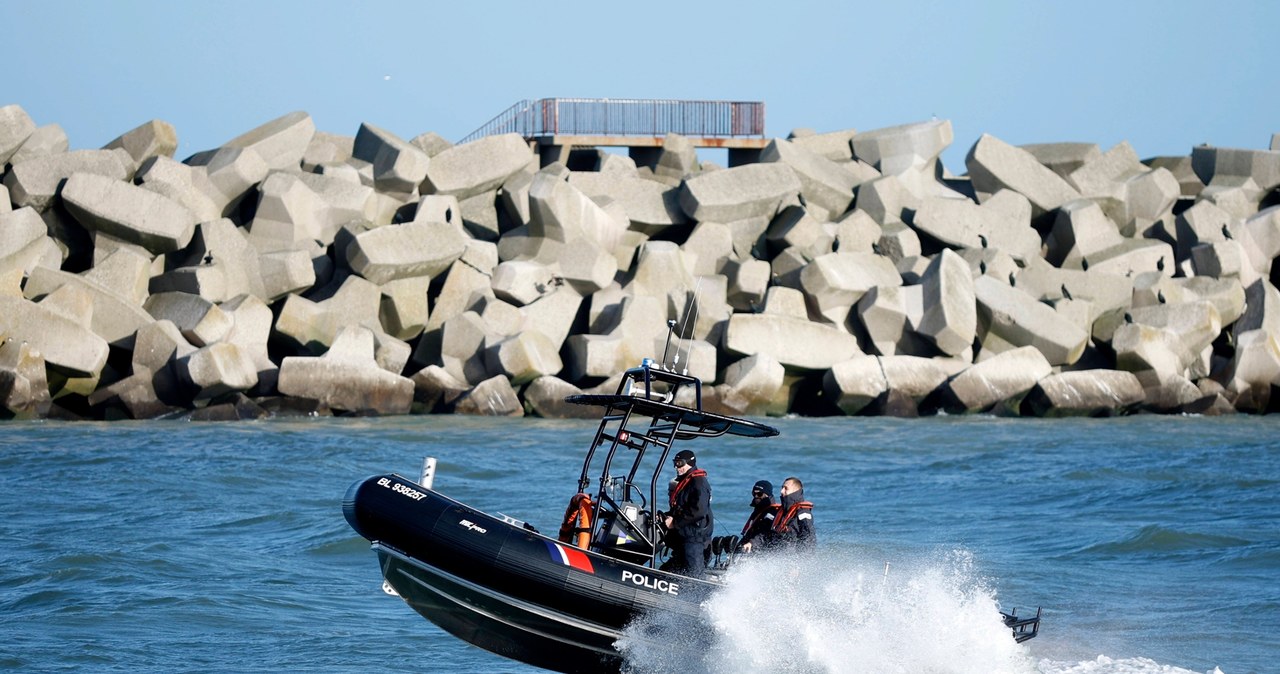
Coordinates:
[576,527]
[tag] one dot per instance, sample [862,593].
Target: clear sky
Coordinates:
[1163,75]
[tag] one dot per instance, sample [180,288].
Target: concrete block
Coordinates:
[1195,325]
[1149,202]
[640,324]
[882,314]
[888,200]
[710,246]
[1238,196]
[663,272]
[471,272]
[66,344]
[833,283]
[1189,184]
[313,326]
[480,215]
[116,317]
[341,201]
[347,377]
[186,185]
[281,142]
[44,141]
[1227,296]
[748,282]
[409,250]
[21,234]
[290,216]
[493,397]
[1262,310]
[251,321]
[999,381]
[461,347]
[856,232]
[200,321]
[35,183]
[897,242]
[522,282]
[404,309]
[24,386]
[326,150]
[1214,164]
[1203,222]
[1085,393]
[1063,158]
[1103,176]
[755,380]
[1223,260]
[524,357]
[216,370]
[855,383]
[950,318]
[156,138]
[793,227]
[398,167]
[651,206]
[1020,320]
[908,147]
[739,193]
[823,182]
[914,378]
[784,333]
[1254,369]
[677,158]
[553,314]
[15,126]
[156,346]
[994,165]
[545,396]
[434,389]
[1003,221]
[833,145]
[129,213]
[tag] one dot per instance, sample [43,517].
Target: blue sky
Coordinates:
[1163,75]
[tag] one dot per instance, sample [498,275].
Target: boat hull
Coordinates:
[505,588]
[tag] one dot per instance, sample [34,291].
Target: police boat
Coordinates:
[561,603]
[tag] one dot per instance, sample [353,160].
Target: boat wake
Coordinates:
[848,614]
[843,615]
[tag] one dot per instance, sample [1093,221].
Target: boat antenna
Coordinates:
[688,324]
[671,326]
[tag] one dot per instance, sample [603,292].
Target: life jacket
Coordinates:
[781,524]
[770,513]
[684,481]
[576,528]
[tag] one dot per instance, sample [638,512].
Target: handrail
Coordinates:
[626,117]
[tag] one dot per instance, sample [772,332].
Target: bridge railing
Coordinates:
[626,117]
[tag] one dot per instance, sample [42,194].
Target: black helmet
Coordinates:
[687,456]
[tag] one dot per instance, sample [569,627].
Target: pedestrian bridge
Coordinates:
[556,125]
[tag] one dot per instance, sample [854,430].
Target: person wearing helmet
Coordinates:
[758,533]
[689,521]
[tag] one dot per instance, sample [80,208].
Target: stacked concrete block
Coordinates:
[950,317]
[15,126]
[785,333]
[663,271]
[478,166]
[347,377]
[995,165]
[55,327]
[1063,158]
[833,145]
[545,396]
[710,246]
[999,382]
[651,206]
[823,182]
[281,142]
[24,386]
[156,138]
[201,321]
[215,370]
[1016,319]
[25,244]
[524,357]
[413,249]
[834,283]
[1085,393]
[116,317]
[129,213]
[231,174]
[493,397]
[44,141]
[754,382]
[908,147]
[312,326]
[36,183]
[1002,221]
[397,167]
[739,193]
[641,323]
[186,185]
[435,390]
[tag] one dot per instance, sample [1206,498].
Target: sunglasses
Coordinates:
[678,463]
[757,492]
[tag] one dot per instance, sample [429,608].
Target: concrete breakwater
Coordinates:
[297,271]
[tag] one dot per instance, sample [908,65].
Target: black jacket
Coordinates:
[793,525]
[758,531]
[691,507]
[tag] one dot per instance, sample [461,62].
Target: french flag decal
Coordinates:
[569,556]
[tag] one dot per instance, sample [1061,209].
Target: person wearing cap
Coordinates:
[793,525]
[758,531]
[689,521]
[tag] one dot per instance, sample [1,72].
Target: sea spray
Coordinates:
[836,612]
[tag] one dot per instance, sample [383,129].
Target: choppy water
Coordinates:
[1153,544]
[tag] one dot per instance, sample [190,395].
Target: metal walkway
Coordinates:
[628,122]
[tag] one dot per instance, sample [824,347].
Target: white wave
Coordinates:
[1106,665]
[834,615]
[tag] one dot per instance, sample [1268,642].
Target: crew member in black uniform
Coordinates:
[793,525]
[689,522]
[757,533]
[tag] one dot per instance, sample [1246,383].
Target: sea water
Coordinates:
[1152,544]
